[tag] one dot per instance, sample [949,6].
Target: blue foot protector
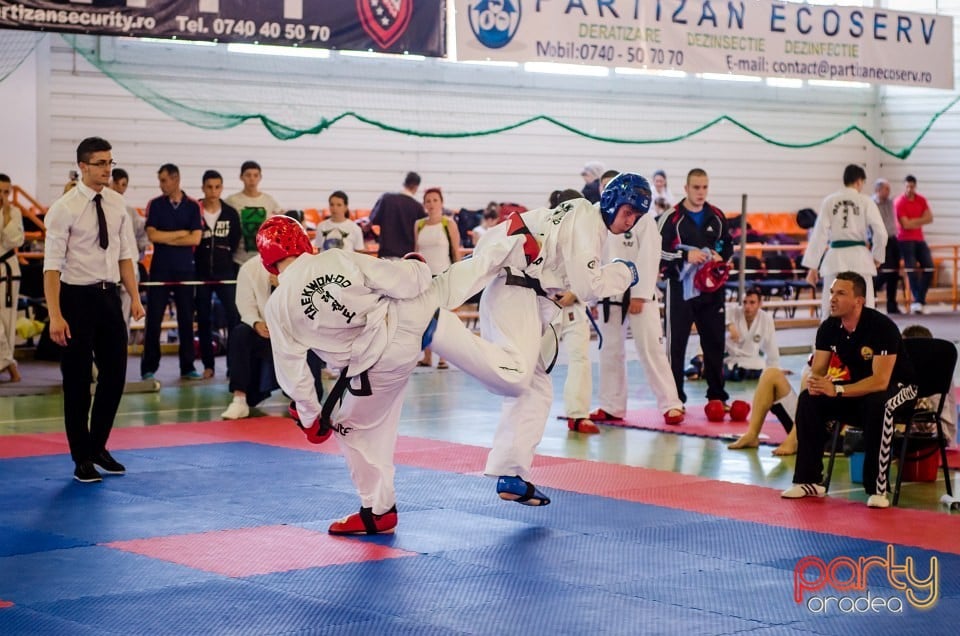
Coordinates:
[523,492]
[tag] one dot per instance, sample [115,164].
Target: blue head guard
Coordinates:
[628,188]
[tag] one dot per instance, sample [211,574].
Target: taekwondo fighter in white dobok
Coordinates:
[563,247]
[369,319]
[842,227]
[642,246]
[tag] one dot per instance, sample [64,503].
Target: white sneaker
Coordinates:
[799,491]
[237,410]
[925,310]
[916,308]
[878,501]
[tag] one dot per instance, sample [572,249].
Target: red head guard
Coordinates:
[711,276]
[280,237]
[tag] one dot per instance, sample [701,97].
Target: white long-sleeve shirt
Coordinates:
[71,246]
[341,305]
[253,292]
[845,216]
[757,347]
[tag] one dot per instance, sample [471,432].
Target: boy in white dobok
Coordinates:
[751,343]
[639,308]
[563,248]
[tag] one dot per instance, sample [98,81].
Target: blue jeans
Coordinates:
[917,254]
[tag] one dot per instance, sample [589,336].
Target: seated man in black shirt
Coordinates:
[869,377]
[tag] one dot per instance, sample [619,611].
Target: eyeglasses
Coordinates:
[103,164]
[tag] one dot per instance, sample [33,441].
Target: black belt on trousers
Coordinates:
[101,286]
[341,386]
[624,305]
[522,280]
[8,278]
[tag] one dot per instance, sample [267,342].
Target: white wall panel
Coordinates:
[522,165]
[904,112]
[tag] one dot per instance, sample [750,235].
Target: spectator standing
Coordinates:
[89,247]
[490,218]
[219,239]
[339,231]
[691,234]
[396,213]
[174,227]
[253,206]
[913,212]
[11,237]
[119,182]
[437,239]
[889,275]
[663,199]
[591,174]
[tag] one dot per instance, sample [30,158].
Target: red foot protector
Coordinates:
[318,433]
[365,522]
[739,411]
[715,410]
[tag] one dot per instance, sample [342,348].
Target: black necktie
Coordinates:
[101,222]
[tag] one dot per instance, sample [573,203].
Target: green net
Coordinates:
[15,47]
[292,97]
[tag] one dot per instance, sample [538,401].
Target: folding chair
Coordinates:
[777,269]
[934,361]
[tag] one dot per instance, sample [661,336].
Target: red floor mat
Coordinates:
[251,551]
[695,423]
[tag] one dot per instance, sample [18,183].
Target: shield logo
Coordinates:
[385,20]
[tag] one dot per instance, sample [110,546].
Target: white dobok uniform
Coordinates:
[11,237]
[573,329]
[839,238]
[642,246]
[369,315]
[758,346]
[570,239]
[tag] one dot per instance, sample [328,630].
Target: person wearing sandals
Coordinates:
[438,240]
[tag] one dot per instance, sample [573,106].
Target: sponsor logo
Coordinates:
[494,22]
[841,585]
[385,20]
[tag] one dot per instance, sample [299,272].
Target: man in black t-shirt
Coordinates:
[397,213]
[860,375]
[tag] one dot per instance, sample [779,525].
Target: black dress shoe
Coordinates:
[86,473]
[108,464]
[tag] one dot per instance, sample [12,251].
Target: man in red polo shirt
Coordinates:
[913,212]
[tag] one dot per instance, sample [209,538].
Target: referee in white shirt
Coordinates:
[90,246]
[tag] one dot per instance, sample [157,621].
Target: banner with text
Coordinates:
[746,37]
[384,26]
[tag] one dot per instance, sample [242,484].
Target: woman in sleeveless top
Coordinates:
[438,240]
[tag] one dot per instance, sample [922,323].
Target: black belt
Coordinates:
[624,305]
[522,280]
[8,278]
[341,386]
[101,286]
